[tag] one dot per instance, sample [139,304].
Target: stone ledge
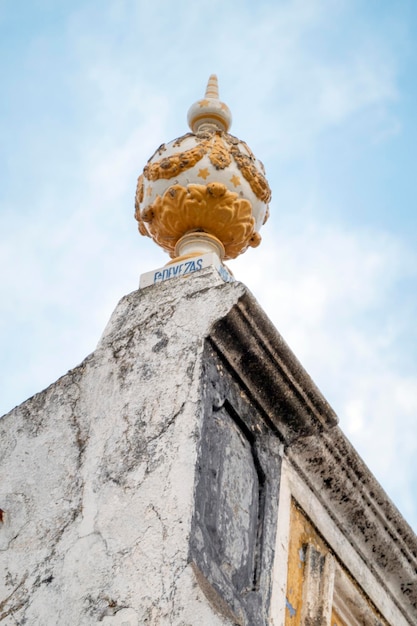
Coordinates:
[276,381]
[361,509]
[291,404]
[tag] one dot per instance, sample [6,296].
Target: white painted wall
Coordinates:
[97,472]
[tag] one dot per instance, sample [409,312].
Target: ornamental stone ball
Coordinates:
[205,191]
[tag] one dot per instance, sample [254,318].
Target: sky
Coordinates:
[325,94]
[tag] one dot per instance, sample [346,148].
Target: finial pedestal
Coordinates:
[196,244]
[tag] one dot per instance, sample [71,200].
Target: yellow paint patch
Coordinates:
[302,534]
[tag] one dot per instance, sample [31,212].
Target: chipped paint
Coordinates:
[290,608]
[311,590]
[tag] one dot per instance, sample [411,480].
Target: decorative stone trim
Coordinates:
[295,410]
[279,385]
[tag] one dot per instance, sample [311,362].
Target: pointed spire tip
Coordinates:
[210,113]
[212,90]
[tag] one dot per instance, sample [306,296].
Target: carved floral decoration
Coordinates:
[220,147]
[210,208]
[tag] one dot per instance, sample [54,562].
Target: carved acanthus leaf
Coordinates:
[172,166]
[251,173]
[210,208]
[220,147]
[138,200]
[219,155]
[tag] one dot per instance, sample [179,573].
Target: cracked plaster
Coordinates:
[97,472]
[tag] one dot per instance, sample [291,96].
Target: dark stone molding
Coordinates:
[253,349]
[293,408]
[362,511]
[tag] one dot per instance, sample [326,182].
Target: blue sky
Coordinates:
[324,92]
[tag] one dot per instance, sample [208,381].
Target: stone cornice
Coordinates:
[362,510]
[247,340]
[293,406]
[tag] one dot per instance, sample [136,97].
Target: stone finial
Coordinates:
[205,191]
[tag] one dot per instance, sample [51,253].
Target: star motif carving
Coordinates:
[235,180]
[203,103]
[203,173]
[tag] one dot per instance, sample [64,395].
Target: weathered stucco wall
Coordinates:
[97,472]
[156,483]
